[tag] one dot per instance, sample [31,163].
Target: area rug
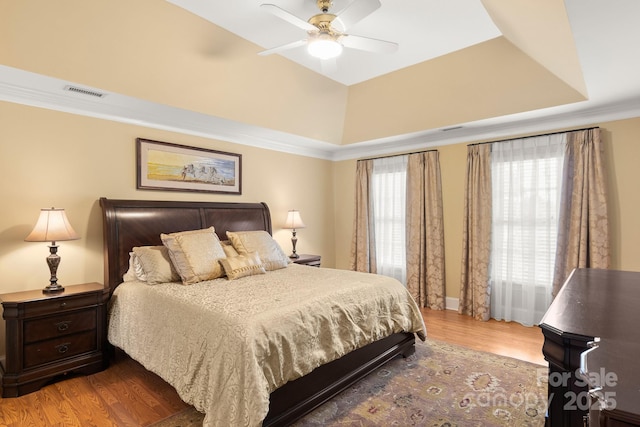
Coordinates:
[441,385]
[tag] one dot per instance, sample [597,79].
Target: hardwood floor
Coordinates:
[126,394]
[505,338]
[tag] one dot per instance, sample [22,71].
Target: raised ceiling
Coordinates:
[487,68]
[422,29]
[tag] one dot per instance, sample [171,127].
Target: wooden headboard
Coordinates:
[131,223]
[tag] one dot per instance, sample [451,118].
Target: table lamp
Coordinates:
[52,226]
[294,221]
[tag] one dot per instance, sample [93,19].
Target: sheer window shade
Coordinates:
[388,198]
[526,179]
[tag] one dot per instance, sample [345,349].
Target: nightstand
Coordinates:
[306,259]
[51,335]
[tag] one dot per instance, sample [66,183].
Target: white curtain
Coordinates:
[526,181]
[389,183]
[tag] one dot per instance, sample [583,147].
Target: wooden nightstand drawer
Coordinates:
[56,326]
[56,305]
[48,335]
[59,348]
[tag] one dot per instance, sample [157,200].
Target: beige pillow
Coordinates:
[228,248]
[268,249]
[242,265]
[195,254]
[131,274]
[152,264]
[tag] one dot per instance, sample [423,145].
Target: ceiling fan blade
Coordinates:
[368,44]
[355,12]
[288,16]
[279,49]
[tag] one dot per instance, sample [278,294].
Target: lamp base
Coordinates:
[53,261]
[294,240]
[52,289]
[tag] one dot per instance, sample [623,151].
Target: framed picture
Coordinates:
[174,167]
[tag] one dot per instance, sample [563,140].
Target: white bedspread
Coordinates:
[225,345]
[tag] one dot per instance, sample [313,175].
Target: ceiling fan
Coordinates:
[326,41]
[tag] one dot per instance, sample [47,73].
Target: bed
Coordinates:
[132,224]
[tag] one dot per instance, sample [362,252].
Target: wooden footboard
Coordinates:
[297,398]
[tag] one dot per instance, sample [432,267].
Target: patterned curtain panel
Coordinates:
[363,242]
[425,231]
[583,234]
[476,245]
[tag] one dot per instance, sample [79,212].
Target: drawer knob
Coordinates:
[63,348]
[63,326]
[63,304]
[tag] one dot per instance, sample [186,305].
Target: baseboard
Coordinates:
[452,303]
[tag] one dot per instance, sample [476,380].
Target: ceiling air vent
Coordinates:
[84,91]
[451,128]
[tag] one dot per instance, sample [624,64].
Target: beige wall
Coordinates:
[158,52]
[622,139]
[448,91]
[622,142]
[50,158]
[57,159]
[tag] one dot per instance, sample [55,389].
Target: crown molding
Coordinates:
[36,90]
[494,129]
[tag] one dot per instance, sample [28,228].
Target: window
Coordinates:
[388,198]
[526,178]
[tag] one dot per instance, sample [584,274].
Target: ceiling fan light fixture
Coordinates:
[324,47]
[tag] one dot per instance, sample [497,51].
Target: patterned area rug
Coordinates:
[440,385]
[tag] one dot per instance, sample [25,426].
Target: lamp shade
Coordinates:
[294,220]
[52,226]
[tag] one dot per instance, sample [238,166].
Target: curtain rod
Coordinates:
[396,155]
[532,136]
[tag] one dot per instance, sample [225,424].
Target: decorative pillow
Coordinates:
[195,254]
[151,264]
[242,265]
[228,248]
[268,249]
[132,274]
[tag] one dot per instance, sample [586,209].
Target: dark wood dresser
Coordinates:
[51,335]
[594,305]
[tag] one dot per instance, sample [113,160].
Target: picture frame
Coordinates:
[173,167]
